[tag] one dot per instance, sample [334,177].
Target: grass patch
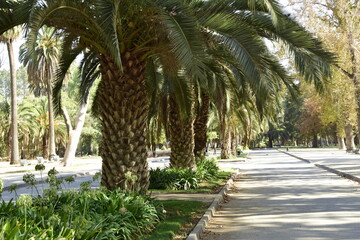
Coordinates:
[181,217]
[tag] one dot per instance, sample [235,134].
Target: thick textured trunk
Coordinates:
[74,133]
[52,150]
[200,127]
[181,138]
[349,138]
[341,143]
[14,157]
[123,109]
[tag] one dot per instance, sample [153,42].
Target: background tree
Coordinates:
[8,38]
[41,65]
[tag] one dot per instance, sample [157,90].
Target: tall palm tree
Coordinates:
[41,66]
[8,38]
[123,35]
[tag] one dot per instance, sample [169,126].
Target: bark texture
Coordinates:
[225,138]
[200,127]
[181,138]
[123,108]
[14,157]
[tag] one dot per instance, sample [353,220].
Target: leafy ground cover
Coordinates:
[181,217]
[98,214]
[206,178]
[62,213]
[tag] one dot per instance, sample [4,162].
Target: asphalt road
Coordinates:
[278,197]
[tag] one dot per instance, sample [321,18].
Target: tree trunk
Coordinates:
[271,141]
[123,109]
[315,141]
[341,143]
[354,75]
[181,138]
[45,146]
[200,127]
[349,138]
[74,133]
[225,138]
[14,158]
[52,150]
[233,143]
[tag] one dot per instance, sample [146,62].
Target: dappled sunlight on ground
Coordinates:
[279,197]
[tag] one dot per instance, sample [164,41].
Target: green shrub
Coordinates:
[207,168]
[173,178]
[79,215]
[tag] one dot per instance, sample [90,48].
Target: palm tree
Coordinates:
[8,38]
[41,66]
[124,35]
[200,125]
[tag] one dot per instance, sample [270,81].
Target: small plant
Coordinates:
[85,186]
[69,180]
[207,168]
[130,180]
[97,176]
[24,200]
[40,167]
[52,172]
[53,181]
[13,188]
[29,178]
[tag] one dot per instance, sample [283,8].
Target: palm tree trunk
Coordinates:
[200,127]
[181,138]
[123,109]
[225,137]
[45,145]
[14,159]
[233,143]
[52,150]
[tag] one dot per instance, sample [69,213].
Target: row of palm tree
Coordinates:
[186,52]
[33,125]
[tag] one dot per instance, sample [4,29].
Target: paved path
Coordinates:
[279,197]
[336,159]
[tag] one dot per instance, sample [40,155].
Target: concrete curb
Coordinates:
[332,170]
[204,221]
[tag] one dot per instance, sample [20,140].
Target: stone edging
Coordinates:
[204,221]
[332,170]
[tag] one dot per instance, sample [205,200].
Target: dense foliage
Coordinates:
[177,179]
[96,214]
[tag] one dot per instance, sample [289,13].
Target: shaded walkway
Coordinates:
[282,198]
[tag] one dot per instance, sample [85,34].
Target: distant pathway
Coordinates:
[279,197]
